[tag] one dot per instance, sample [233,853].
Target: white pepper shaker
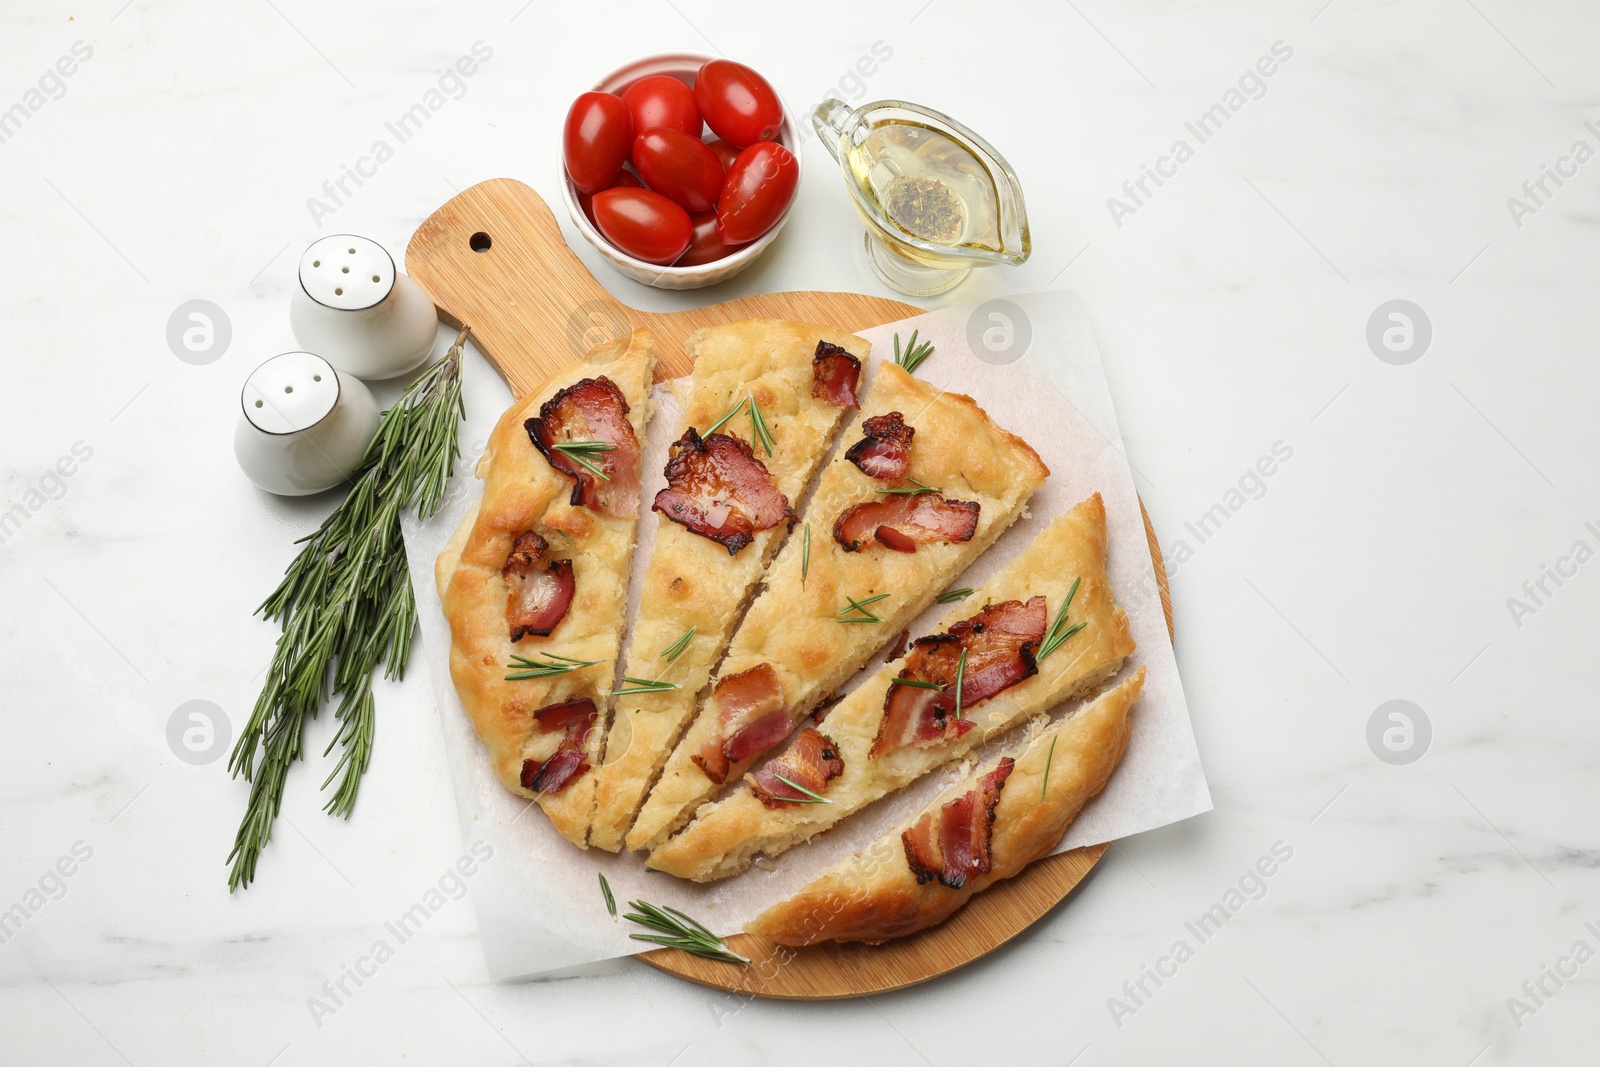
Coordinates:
[305,426]
[357,311]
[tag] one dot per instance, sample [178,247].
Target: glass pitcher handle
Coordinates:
[830,119]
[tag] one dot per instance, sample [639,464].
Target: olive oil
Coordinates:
[929,187]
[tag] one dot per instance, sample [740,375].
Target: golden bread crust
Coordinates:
[691,580]
[873,896]
[793,625]
[725,837]
[523,492]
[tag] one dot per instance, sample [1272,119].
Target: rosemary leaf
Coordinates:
[643,685]
[1045,786]
[345,607]
[805,553]
[810,797]
[677,930]
[715,426]
[580,451]
[961,678]
[917,683]
[913,355]
[916,489]
[605,891]
[1058,632]
[674,650]
[758,426]
[552,665]
[950,596]
[867,615]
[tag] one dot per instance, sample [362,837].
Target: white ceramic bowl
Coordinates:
[681,65]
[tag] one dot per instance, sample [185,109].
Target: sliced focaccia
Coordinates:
[535,581]
[986,828]
[926,485]
[725,512]
[1043,630]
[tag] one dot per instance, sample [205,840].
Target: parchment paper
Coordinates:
[1032,363]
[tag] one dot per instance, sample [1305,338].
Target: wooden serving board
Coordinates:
[493,258]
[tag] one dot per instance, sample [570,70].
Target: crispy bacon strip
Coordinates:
[592,410]
[717,488]
[885,452]
[903,522]
[835,374]
[536,598]
[999,642]
[571,758]
[953,843]
[752,715]
[811,763]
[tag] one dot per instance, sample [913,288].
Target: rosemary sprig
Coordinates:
[677,930]
[715,426]
[1051,758]
[1059,631]
[642,685]
[917,683]
[674,650]
[861,605]
[524,668]
[759,427]
[605,891]
[950,596]
[580,451]
[805,553]
[810,797]
[916,489]
[961,678]
[346,607]
[914,354]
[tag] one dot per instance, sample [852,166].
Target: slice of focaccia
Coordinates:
[987,827]
[1043,630]
[726,510]
[926,485]
[535,581]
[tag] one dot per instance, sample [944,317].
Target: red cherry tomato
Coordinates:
[737,103]
[705,244]
[759,186]
[662,100]
[599,134]
[725,153]
[679,167]
[643,224]
[626,179]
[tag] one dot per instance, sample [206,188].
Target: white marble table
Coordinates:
[1412,507]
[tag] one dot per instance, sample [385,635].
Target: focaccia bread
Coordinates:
[1045,629]
[701,572]
[535,580]
[988,827]
[927,483]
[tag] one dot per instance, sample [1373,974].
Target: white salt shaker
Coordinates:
[357,311]
[305,426]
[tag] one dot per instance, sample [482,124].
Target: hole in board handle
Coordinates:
[479,242]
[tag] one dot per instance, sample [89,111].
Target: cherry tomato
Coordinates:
[737,103]
[759,186]
[643,224]
[705,244]
[599,134]
[725,153]
[626,179]
[679,167]
[662,100]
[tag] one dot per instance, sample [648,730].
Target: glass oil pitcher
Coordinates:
[936,198]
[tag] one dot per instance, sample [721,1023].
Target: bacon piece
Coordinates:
[752,715]
[536,599]
[810,763]
[834,375]
[999,642]
[953,843]
[571,758]
[909,521]
[885,452]
[592,410]
[717,488]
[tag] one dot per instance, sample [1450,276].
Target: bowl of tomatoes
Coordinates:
[680,168]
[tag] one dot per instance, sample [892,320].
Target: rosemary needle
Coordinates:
[643,685]
[759,427]
[961,677]
[917,683]
[605,891]
[1059,631]
[805,554]
[715,426]
[523,668]
[580,451]
[810,797]
[950,596]
[346,607]
[1045,786]
[677,930]
[916,489]
[674,650]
